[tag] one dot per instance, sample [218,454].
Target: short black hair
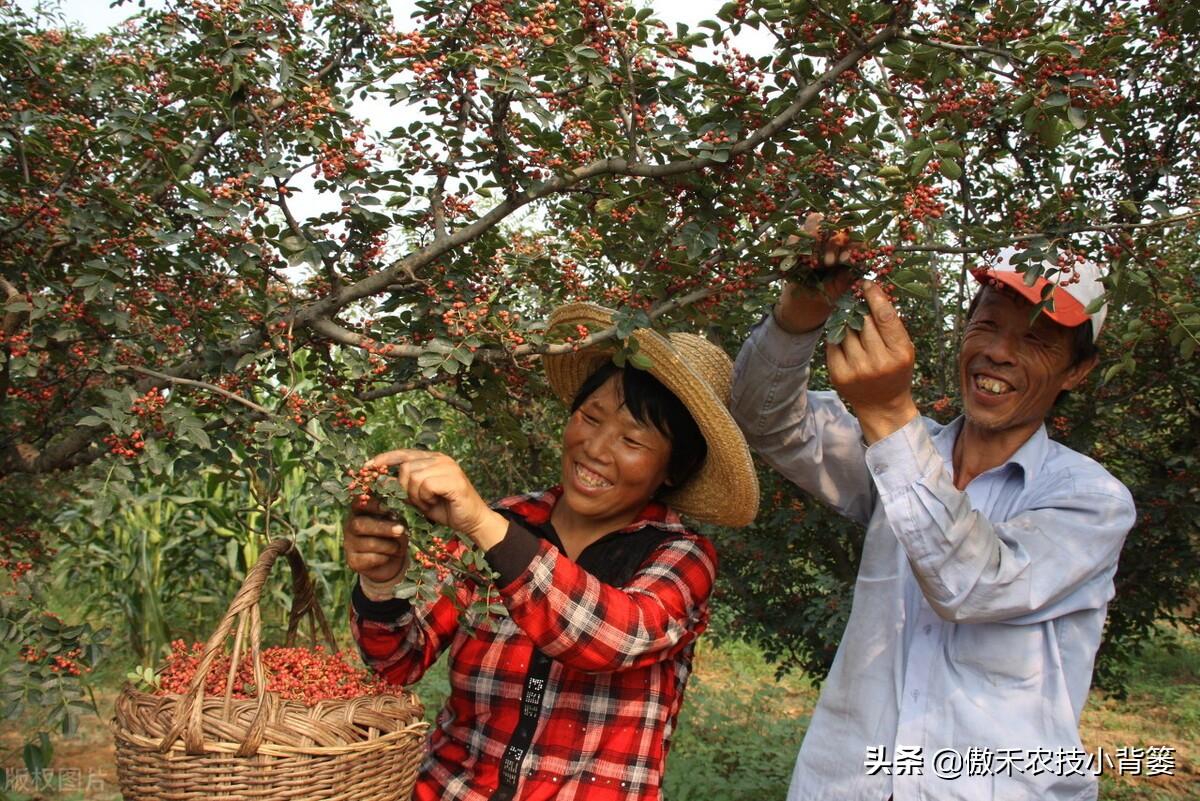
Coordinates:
[653,404]
[1083,345]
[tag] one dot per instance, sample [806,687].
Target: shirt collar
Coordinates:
[536,508]
[1029,457]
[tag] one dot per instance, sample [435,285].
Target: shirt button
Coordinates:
[916,694]
[880,469]
[928,627]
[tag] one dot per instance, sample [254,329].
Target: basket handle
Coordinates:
[245,610]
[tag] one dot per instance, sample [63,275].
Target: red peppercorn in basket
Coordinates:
[260,723]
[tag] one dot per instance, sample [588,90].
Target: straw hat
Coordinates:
[725,488]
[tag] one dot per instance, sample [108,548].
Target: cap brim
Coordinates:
[1064,308]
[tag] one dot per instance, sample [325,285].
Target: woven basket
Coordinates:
[180,748]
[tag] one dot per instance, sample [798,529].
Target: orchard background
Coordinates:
[246,244]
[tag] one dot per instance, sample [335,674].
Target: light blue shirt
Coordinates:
[976,614]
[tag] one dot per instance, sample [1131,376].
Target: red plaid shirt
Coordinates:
[575,694]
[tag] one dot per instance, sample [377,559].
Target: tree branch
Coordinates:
[335,280]
[402,387]
[74,447]
[187,382]
[332,331]
[11,320]
[918,38]
[376,283]
[436,197]
[1050,234]
[450,400]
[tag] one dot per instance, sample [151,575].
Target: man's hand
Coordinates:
[872,369]
[376,547]
[439,489]
[803,308]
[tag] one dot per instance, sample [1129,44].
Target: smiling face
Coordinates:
[611,464]
[1010,371]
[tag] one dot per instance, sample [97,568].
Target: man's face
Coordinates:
[1010,371]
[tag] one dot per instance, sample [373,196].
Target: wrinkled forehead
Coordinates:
[998,299]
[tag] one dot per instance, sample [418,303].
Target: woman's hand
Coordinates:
[439,489]
[376,547]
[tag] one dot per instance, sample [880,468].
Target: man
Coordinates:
[990,550]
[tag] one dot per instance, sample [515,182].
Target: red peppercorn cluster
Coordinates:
[128,447]
[435,555]
[307,675]
[362,481]
[21,549]
[67,662]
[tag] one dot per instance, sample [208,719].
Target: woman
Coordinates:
[575,694]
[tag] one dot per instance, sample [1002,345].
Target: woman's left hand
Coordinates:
[439,489]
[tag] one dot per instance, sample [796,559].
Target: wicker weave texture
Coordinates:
[189,747]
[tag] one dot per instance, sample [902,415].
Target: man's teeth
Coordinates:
[589,479]
[993,386]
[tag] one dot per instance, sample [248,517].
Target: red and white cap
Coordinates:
[1074,289]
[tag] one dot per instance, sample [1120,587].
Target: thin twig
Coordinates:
[53,194]
[1049,234]
[189,382]
[917,38]
[335,280]
[437,196]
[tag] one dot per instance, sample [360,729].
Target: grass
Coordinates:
[1161,709]
[740,729]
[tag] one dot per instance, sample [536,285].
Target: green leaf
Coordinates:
[1049,133]
[919,161]
[1077,117]
[293,244]
[950,169]
[949,147]
[641,361]
[1130,208]
[194,191]
[1055,100]
[916,290]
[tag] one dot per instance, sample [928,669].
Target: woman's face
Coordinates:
[611,464]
